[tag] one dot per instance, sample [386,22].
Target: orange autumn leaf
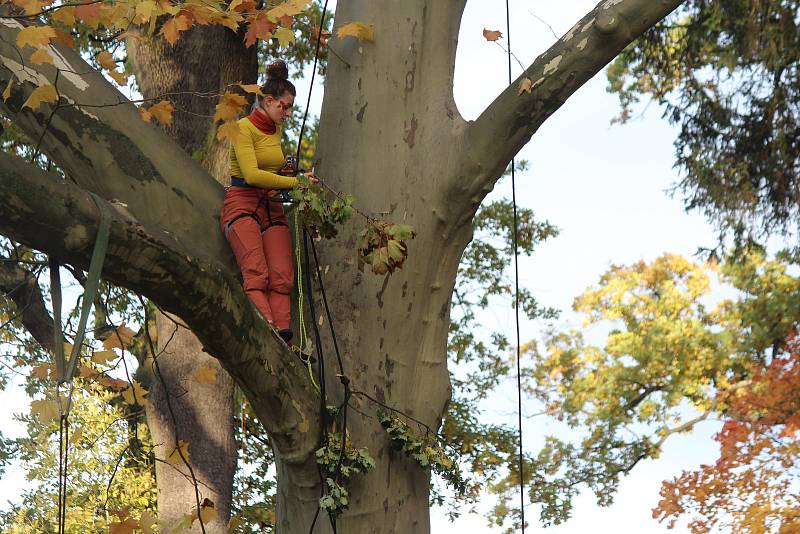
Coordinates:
[162,112]
[173,27]
[106,60]
[323,39]
[258,27]
[492,35]
[359,30]
[35,36]
[89,13]
[120,338]
[41,56]
[64,15]
[229,107]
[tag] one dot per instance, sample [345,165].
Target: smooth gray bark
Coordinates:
[390,134]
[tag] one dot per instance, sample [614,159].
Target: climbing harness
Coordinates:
[65,370]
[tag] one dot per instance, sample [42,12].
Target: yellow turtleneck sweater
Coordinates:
[256,156]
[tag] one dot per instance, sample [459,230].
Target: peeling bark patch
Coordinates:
[411,132]
[583,43]
[360,114]
[303,425]
[379,294]
[611,3]
[552,66]
[77,237]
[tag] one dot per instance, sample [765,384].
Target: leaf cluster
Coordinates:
[725,74]
[383,246]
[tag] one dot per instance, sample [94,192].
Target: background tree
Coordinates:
[669,362]
[725,74]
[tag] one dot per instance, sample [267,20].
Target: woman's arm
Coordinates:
[248,166]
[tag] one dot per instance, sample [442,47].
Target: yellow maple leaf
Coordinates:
[173,27]
[207,512]
[42,55]
[228,130]
[229,107]
[44,371]
[135,394]
[144,11]
[106,60]
[284,36]
[492,35]
[32,7]
[45,410]
[146,115]
[7,92]
[122,336]
[359,30]
[252,88]
[205,375]
[65,15]
[177,455]
[35,36]
[162,112]
[103,356]
[45,94]
[287,9]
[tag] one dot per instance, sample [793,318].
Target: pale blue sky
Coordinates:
[604,187]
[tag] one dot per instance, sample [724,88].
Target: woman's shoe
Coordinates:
[286,334]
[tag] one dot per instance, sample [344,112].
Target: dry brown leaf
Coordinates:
[492,35]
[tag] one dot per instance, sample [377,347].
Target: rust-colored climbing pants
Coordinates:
[258,232]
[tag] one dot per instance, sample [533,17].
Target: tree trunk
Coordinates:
[203,62]
[393,103]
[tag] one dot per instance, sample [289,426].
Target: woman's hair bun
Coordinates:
[277,70]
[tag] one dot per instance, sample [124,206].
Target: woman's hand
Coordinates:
[311,177]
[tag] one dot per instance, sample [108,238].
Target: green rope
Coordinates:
[90,290]
[300,318]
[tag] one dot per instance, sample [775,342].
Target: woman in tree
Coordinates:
[252,215]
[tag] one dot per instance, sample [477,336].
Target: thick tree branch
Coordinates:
[510,121]
[23,289]
[50,214]
[98,138]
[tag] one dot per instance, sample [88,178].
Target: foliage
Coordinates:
[478,356]
[337,465]
[383,246]
[725,74]
[669,361]
[426,450]
[111,467]
[752,487]
[319,215]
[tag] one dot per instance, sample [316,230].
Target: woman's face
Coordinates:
[278,109]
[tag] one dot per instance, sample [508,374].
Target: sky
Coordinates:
[605,188]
